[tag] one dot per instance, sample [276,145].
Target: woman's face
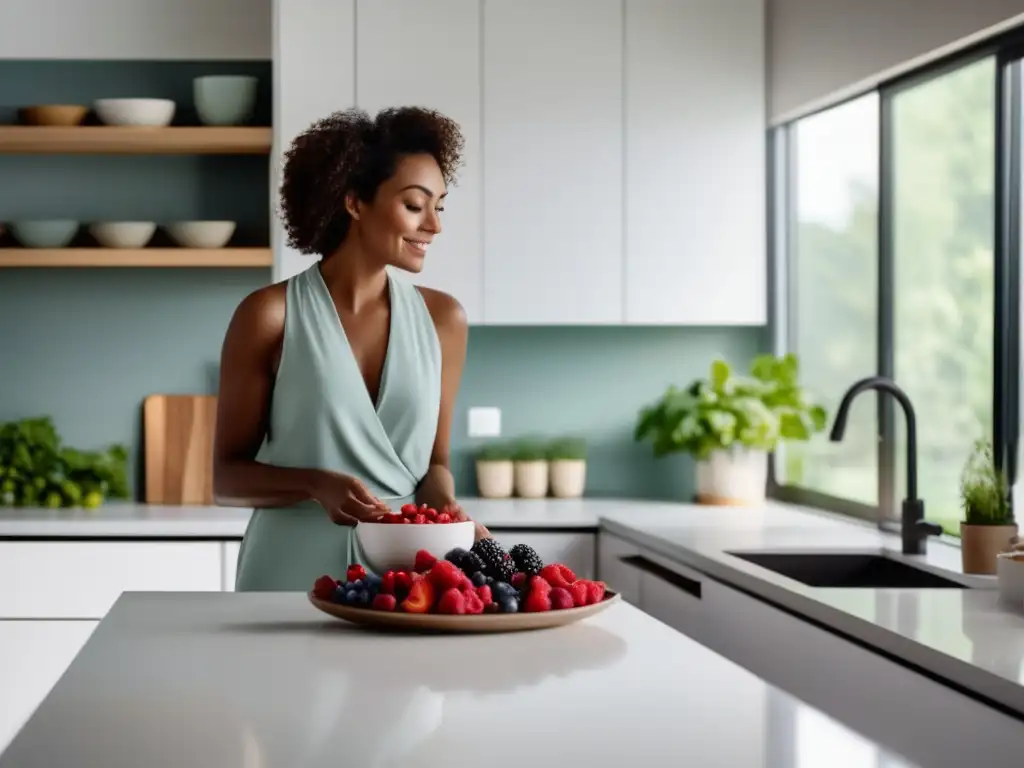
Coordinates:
[405,216]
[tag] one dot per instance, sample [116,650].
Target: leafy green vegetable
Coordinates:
[984,491]
[495,451]
[36,470]
[724,410]
[530,449]
[568,449]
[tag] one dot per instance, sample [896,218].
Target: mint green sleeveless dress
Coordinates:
[322,417]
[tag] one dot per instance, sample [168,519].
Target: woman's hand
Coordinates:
[455,511]
[345,499]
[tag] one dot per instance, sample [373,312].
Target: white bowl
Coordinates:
[150,112]
[393,547]
[201,234]
[123,234]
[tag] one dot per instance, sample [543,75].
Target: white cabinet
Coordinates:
[553,175]
[576,550]
[695,162]
[613,567]
[33,656]
[314,75]
[229,567]
[412,53]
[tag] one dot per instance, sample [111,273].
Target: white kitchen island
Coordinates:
[258,680]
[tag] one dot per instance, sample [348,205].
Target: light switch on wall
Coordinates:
[485,422]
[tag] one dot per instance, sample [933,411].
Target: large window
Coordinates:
[833,289]
[891,263]
[943,218]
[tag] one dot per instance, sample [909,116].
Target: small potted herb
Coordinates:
[494,470]
[531,469]
[988,527]
[567,459]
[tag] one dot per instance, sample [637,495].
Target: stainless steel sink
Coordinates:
[851,570]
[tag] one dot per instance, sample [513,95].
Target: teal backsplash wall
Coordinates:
[86,346]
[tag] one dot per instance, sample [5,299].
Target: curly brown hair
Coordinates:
[349,152]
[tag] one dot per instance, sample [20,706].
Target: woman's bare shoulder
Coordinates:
[448,314]
[262,311]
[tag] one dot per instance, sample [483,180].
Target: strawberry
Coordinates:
[446,575]
[596,590]
[383,602]
[484,592]
[474,604]
[443,518]
[580,594]
[518,580]
[409,509]
[421,597]
[323,588]
[540,584]
[558,575]
[561,599]
[387,583]
[403,582]
[537,601]
[424,561]
[452,602]
[355,572]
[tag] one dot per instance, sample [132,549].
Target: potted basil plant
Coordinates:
[729,423]
[494,470]
[988,527]
[567,461]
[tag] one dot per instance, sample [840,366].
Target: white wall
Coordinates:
[822,49]
[135,29]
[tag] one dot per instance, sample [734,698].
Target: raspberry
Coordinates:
[323,588]
[540,584]
[484,593]
[579,592]
[424,561]
[355,572]
[561,599]
[444,518]
[409,509]
[537,601]
[474,604]
[558,575]
[446,575]
[452,602]
[403,582]
[383,602]
[518,580]
[596,590]
[419,519]
[387,583]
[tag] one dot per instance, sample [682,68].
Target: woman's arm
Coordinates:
[251,345]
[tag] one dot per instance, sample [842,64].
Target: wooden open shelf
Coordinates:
[135,257]
[130,140]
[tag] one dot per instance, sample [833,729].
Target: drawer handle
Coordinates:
[690,586]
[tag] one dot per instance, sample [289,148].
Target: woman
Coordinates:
[337,386]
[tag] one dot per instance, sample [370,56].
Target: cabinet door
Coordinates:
[675,595]
[695,160]
[314,75]
[229,564]
[33,656]
[576,550]
[552,122]
[411,53]
[613,567]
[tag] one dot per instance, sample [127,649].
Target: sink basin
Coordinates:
[850,570]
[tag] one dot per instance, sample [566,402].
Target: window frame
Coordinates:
[1008,51]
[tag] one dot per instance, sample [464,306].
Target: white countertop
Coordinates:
[262,680]
[963,635]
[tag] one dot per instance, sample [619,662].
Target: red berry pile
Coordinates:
[443,587]
[410,514]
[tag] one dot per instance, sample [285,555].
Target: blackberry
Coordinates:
[526,559]
[454,555]
[497,562]
[471,563]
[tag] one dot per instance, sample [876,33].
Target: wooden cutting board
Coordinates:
[178,431]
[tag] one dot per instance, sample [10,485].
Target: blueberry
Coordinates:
[351,596]
[509,605]
[455,554]
[490,581]
[339,594]
[504,588]
[373,580]
[364,597]
[478,579]
[357,584]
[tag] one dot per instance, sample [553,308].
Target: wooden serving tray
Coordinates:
[485,622]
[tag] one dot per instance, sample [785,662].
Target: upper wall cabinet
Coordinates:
[416,53]
[135,29]
[695,162]
[314,75]
[553,179]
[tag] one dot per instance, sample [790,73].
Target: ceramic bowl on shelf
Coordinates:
[201,234]
[139,112]
[123,234]
[224,99]
[44,233]
[394,547]
[53,114]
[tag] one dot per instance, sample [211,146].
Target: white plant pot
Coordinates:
[531,479]
[568,478]
[494,479]
[734,477]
